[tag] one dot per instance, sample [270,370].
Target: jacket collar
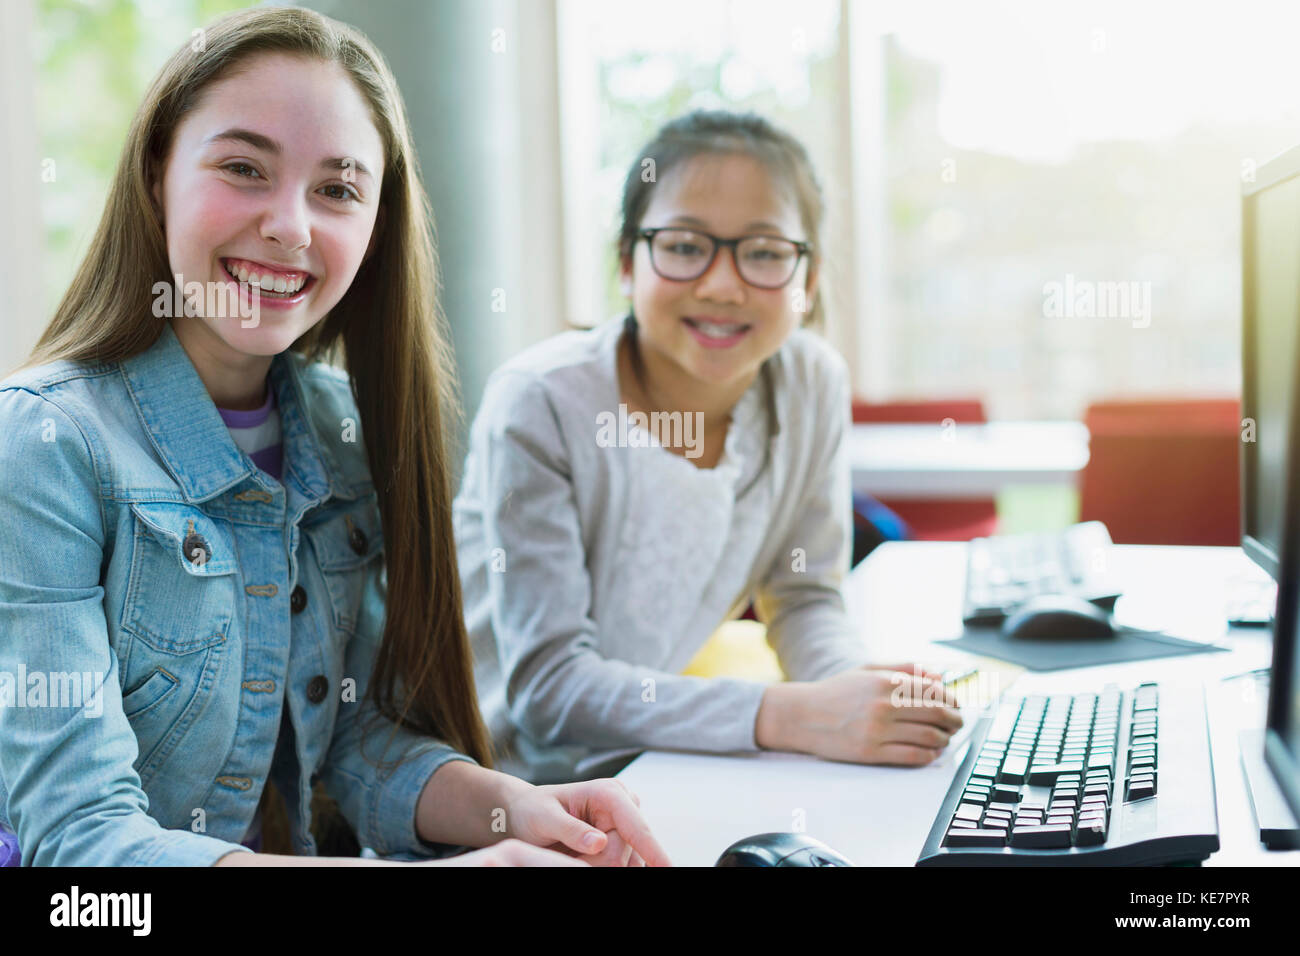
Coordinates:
[193,441]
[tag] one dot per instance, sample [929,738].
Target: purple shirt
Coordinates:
[257,432]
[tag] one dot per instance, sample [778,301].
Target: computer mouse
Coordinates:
[780,849]
[1059,617]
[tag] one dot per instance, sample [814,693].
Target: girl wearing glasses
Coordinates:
[631,487]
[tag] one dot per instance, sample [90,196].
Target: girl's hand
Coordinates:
[509,853]
[864,715]
[595,820]
[908,668]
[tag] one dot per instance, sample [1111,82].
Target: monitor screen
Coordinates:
[1270,317]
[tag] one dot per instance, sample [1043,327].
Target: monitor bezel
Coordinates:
[1275,171]
[1280,756]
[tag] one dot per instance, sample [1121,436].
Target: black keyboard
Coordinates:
[1120,777]
[1005,571]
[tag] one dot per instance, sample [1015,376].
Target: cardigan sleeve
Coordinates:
[799,598]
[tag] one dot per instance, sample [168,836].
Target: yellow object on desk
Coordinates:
[740,649]
[737,649]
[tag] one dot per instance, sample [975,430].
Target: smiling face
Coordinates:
[716,331]
[276,174]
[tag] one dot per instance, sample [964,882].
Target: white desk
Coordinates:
[964,461]
[908,594]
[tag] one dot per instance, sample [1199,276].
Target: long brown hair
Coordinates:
[388,328]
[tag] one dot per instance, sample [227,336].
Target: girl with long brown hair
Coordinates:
[227,540]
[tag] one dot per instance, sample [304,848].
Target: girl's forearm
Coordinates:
[462,804]
[465,805]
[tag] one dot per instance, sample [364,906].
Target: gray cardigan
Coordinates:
[593,574]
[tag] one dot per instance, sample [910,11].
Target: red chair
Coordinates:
[934,519]
[1164,471]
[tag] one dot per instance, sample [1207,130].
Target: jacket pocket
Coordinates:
[346,542]
[181,596]
[156,686]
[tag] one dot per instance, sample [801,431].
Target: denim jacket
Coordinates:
[165,604]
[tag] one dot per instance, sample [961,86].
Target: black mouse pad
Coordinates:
[1130,644]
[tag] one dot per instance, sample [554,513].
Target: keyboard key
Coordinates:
[966,837]
[1140,789]
[1046,775]
[1014,770]
[1005,793]
[1044,837]
[1091,832]
[969,811]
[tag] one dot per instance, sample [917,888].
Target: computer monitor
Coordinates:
[1270,285]
[1282,733]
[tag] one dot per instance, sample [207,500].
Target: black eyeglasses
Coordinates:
[682,255]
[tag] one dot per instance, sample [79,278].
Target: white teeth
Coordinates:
[268,283]
[717,330]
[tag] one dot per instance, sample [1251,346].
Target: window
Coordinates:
[628,69]
[1044,156]
[989,171]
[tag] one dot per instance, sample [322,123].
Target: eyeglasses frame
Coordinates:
[802,247]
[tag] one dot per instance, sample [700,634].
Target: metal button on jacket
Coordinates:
[357,539]
[298,599]
[197,550]
[317,688]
